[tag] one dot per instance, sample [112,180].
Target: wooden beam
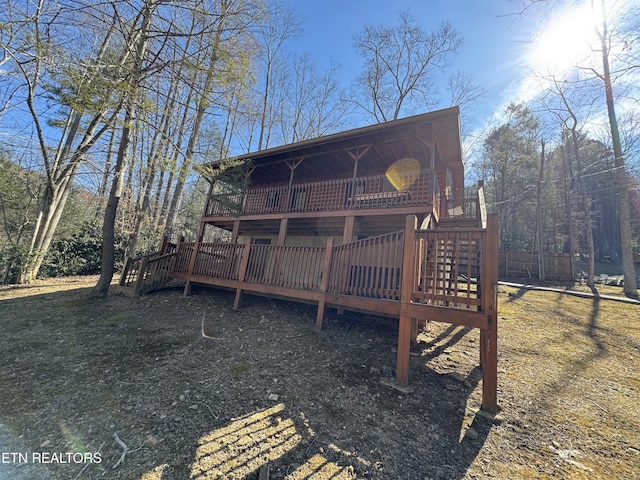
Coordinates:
[379,306]
[193,259]
[347,234]
[324,283]
[406,291]
[282,233]
[235,231]
[414,331]
[365,212]
[489,336]
[454,316]
[244,262]
[140,279]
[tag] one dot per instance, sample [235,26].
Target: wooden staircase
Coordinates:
[146,273]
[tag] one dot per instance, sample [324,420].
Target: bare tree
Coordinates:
[138,42]
[313,103]
[281,24]
[232,19]
[630,279]
[400,64]
[89,99]
[563,99]
[618,59]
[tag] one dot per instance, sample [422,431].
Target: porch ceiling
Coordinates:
[378,145]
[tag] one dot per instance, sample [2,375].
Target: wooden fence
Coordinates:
[557,267]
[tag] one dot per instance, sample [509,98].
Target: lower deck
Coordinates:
[444,275]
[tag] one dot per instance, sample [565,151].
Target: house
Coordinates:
[372,220]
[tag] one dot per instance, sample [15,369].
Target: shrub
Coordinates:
[79,254]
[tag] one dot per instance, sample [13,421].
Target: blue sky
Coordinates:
[494,49]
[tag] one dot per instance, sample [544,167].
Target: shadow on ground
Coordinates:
[261,391]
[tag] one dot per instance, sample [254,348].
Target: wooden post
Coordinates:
[140,278]
[489,337]
[347,234]
[282,233]
[192,261]
[479,197]
[244,262]
[506,264]
[324,284]
[123,277]
[164,245]
[414,331]
[234,232]
[406,290]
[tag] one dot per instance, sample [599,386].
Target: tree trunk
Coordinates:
[203,102]
[628,269]
[568,205]
[541,275]
[108,227]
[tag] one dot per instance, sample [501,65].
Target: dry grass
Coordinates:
[78,370]
[569,374]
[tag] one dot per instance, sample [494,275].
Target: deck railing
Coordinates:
[329,195]
[147,272]
[286,266]
[447,275]
[218,260]
[183,257]
[446,269]
[368,268]
[447,266]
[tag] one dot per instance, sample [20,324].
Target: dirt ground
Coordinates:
[172,387]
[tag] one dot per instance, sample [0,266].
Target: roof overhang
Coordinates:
[376,147]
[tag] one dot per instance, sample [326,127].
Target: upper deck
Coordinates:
[361,193]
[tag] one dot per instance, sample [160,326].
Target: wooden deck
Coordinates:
[446,275]
[361,193]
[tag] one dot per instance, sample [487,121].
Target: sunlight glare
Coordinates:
[567,41]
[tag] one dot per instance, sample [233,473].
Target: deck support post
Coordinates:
[406,291]
[142,271]
[282,233]
[489,336]
[325,282]
[192,261]
[414,331]
[244,262]
[164,245]
[235,231]
[347,234]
